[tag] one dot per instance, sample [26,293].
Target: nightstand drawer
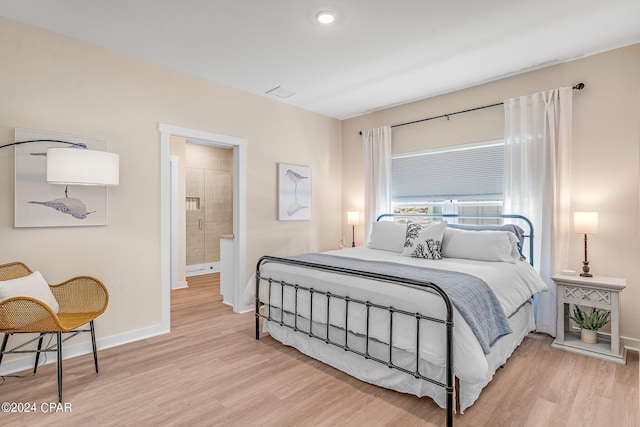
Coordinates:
[579,295]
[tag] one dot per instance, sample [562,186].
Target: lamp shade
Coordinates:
[585,222]
[353,217]
[79,166]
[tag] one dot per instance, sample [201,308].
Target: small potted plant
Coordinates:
[590,323]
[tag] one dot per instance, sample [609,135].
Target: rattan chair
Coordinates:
[80,300]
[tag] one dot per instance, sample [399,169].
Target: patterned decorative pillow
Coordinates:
[424,240]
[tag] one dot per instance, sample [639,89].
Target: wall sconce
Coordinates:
[585,223]
[353,219]
[77,165]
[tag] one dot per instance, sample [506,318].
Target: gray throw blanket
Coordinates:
[474,299]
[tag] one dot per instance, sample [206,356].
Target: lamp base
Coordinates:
[353,236]
[585,269]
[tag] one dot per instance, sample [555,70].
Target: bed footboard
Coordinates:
[347,302]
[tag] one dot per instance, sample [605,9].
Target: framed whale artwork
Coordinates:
[40,204]
[294,192]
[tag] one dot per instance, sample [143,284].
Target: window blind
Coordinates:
[461,172]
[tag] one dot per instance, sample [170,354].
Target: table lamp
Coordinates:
[353,219]
[585,223]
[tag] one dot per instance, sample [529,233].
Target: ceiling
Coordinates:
[376,54]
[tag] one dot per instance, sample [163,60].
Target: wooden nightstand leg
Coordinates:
[562,314]
[615,323]
[567,312]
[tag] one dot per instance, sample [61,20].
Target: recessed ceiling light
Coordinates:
[325,17]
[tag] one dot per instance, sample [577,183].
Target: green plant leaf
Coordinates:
[595,320]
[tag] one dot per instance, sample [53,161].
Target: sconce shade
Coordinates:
[585,222]
[353,218]
[78,166]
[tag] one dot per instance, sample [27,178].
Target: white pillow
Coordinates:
[33,286]
[424,240]
[387,236]
[480,245]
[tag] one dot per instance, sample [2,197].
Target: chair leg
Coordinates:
[93,343]
[59,336]
[4,346]
[35,367]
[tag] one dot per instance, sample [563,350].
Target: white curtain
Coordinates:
[377,169]
[537,183]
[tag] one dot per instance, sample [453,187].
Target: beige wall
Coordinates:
[52,83]
[606,137]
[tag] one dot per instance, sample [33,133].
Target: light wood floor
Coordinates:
[211,371]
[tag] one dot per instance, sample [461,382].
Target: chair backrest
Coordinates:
[13,270]
[22,315]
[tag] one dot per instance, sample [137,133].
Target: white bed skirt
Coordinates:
[522,322]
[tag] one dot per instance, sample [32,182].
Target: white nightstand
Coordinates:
[599,292]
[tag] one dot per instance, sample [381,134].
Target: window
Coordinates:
[460,179]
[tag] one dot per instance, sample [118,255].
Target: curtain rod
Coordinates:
[578,86]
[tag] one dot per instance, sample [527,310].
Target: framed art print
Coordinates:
[294,192]
[40,204]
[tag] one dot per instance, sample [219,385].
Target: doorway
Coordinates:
[208,195]
[170,207]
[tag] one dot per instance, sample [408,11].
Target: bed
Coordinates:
[409,312]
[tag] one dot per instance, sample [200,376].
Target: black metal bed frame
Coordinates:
[448,385]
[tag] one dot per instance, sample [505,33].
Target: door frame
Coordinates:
[239,209]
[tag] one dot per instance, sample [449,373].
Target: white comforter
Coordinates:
[513,284]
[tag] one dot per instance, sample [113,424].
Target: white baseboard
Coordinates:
[199,269]
[180,285]
[70,351]
[630,343]
[247,309]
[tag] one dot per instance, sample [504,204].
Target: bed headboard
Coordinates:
[519,220]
